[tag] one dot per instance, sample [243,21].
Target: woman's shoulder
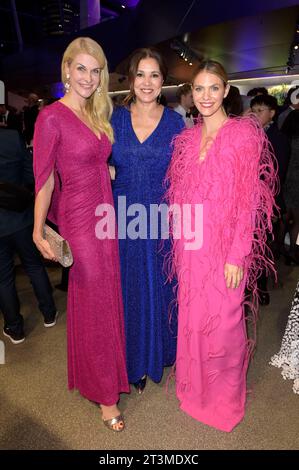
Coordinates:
[51,111]
[243,127]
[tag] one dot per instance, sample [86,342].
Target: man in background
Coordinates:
[185,99]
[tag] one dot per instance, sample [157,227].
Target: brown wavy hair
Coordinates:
[135,58]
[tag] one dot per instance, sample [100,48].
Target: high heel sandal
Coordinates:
[140,385]
[109,423]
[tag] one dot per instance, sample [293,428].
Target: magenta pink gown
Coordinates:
[95,330]
[235,186]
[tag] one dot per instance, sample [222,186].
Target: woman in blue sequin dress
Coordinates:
[143,132]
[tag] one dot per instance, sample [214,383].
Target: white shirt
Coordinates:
[189,122]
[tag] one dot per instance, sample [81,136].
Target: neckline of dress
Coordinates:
[80,120]
[152,133]
[223,125]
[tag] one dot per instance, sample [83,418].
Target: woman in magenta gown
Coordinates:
[72,143]
[221,166]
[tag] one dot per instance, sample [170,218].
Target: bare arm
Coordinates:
[42,203]
[112,172]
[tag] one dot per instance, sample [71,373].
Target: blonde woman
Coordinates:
[72,142]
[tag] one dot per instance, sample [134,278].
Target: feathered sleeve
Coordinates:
[45,144]
[255,186]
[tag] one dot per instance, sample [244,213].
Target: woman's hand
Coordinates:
[44,247]
[112,172]
[233,275]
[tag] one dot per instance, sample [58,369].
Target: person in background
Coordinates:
[222,169]
[9,118]
[287,358]
[257,91]
[291,103]
[16,237]
[265,108]
[184,108]
[72,143]
[144,130]
[232,103]
[30,113]
[290,128]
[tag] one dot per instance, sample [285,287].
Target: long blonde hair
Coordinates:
[99,105]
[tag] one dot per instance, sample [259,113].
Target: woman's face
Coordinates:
[208,92]
[84,74]
[148,81]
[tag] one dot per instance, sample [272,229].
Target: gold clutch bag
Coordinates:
[59,246]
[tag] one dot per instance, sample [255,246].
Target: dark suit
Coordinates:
[281,148]
[16,236]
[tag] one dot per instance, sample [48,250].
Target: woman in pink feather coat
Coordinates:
[223,170]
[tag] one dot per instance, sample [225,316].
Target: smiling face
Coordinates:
[148,81]
[208,93]
[85,74]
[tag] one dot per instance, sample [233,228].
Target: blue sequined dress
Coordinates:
[140,170]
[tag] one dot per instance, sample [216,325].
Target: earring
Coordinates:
[67,84]
[99,89]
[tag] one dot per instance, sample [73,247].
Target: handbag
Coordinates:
[14,197]
[59,246]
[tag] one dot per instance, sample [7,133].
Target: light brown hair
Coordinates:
[212,66]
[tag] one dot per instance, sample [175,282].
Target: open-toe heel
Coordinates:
[110,423]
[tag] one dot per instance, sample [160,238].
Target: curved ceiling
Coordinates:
[249,39]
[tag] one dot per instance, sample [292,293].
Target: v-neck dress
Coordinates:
[150,325]
[95,332]
[234,186]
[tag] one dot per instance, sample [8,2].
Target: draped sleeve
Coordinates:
[46,142]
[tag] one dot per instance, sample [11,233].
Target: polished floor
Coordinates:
[38,412]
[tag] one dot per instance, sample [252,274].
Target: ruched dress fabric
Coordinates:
[150,323]
[95,331]
[233,185]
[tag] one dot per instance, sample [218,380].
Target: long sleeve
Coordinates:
[254,184]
